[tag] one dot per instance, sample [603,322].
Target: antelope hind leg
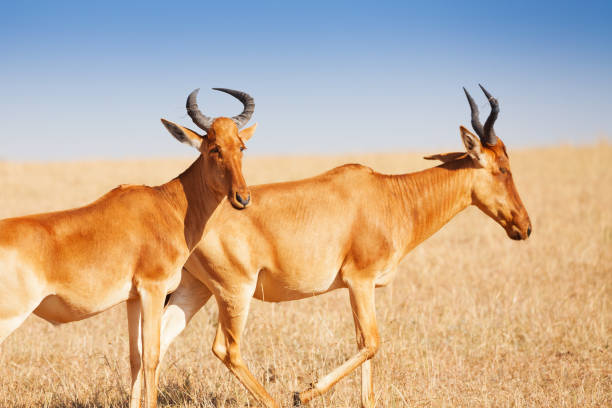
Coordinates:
[362,304]
[10,324]
[20,294]
[189,297]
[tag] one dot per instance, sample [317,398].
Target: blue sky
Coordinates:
[83,80]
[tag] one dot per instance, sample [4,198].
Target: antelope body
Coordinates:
[129,245]
[347,228]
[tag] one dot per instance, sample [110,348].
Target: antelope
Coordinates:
[347,228]
[129,245]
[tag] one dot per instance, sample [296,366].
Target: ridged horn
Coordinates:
[202,121]
[248,102]
[489,136]
[476,125]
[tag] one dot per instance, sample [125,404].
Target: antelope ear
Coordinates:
[473,146]
[183,134]
[446,157]
[245,134]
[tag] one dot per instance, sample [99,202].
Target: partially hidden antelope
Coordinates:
[347,228]
[129,245]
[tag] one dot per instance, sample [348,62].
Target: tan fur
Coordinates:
[347,228]
[128,245]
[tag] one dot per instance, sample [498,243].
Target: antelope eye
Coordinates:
[503,170]
[215,149]
[242,148]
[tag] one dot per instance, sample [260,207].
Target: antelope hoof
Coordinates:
[305,396]
[297,402]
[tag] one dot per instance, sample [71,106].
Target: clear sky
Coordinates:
[82,80]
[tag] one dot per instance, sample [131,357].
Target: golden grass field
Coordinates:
[473,319]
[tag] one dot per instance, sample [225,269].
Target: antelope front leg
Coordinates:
[232,318]
[152,298]
[362,304]
[133,313]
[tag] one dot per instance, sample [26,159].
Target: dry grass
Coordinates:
[473,319]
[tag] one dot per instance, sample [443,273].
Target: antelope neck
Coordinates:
[432,197]
[193,199]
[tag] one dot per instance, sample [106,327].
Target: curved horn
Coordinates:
[203,121]
[476,125]
[248,102]
[489,135]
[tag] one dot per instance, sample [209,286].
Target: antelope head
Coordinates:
[493,190]
[221,146]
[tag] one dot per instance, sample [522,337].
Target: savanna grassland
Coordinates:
[473,318]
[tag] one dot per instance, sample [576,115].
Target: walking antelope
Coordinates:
[130,244]
[347,228]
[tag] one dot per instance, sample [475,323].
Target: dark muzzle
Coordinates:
[242,200]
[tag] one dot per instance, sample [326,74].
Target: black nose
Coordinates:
[529,231]
[515,235]
[243,201]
